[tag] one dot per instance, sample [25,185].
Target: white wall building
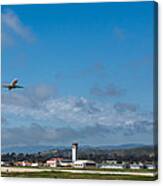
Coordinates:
[53,162]
[34,165]
[150,166]
[65,163]
[112,166]
[84,163]
[2,163]
[135,166]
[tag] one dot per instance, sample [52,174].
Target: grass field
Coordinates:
[68,175]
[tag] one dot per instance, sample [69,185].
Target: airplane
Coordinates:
[12,85]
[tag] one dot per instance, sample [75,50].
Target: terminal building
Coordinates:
[80,163]
[74,162]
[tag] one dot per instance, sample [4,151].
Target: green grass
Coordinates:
[68,175]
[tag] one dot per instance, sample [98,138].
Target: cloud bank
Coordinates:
[62,120]
[74,111]
[41,102]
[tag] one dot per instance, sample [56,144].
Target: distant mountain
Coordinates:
[26,149]
[122,146]
[42,148]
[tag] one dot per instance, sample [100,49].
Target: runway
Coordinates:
[17,169]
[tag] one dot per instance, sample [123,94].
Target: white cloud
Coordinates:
[80,119]
[12,22]
[73,111]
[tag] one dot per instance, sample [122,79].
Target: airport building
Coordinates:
[84,163]
[74,162]
[53,162]
[111,166]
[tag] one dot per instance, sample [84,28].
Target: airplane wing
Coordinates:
[17,86]
[14,82]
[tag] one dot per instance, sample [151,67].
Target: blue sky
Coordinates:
[87,71]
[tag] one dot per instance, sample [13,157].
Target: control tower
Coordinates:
[74,151]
